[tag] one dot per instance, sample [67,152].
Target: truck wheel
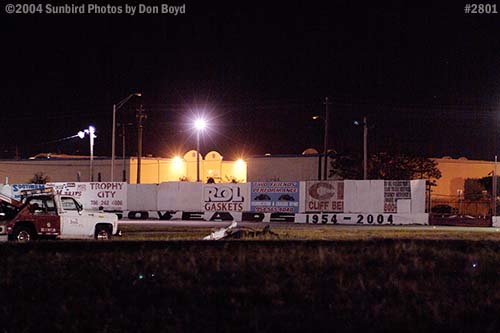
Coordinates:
[23,234]
[102,232]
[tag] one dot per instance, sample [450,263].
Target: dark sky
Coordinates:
[427,77]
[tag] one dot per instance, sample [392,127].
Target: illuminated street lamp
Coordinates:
[90,132]
[115,108]
[200,124]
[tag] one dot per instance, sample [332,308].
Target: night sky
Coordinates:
[426,76]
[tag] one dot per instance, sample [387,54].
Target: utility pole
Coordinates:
[92,136]
[124,176]
[113,138]
[494,189]
[124,171]
[365,148]
[325,144]
[140,116]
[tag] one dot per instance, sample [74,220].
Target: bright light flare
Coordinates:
[200,124]
[240,170]
[89,131]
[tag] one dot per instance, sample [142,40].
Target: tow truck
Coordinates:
[44,214]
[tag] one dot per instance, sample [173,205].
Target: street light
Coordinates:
[90,132]
[199,124]
[115,108]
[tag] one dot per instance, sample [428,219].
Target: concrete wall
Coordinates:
[58,170]
[153,170]
[283,168]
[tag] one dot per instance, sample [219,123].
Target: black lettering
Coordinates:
[222,216]
[192,216]
[165,216]
[252,217]
[282,217]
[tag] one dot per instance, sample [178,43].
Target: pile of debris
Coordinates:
[233,231]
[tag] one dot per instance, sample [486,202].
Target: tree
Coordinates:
[345,167]
[384,166]
[39,178]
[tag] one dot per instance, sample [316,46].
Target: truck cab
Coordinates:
[47,215]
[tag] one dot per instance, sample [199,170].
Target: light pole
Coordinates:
[200,124]
[320,161]
[494,190]
[365,146]
[91,133]
[325,148]
[124,172]
[365,149]
[325,138]
[141,116]
[116,107]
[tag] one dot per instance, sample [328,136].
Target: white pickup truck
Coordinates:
[47,215]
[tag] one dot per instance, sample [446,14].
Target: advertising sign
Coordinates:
[225,197]
[395,190]
[93,195]
[275,197]
[17,188]
[325,196]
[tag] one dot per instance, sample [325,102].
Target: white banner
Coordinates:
[226,197]
[324,196]
[93,195]
[142,197]
[364,196]
[363,219]
[180,196]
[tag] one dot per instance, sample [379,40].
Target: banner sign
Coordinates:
[108,195]
[393,191]
[362,219]
[93,195]
[325,196]
[17,188]
[224,197]
[348,219]
[275,197]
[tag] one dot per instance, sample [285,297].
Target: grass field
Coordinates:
[360,280]
[315,232]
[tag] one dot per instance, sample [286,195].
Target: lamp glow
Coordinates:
[200,124]
[90,132]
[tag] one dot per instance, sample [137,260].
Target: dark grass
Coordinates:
[259,286]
